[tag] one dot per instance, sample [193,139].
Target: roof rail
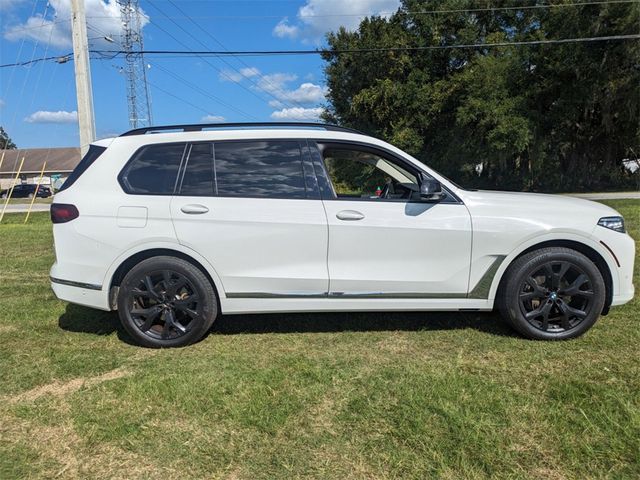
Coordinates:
[198,127]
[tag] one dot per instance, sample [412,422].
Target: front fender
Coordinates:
[588,241]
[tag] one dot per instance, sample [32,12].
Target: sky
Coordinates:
[38,105]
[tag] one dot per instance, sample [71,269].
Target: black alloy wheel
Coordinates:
[166,302]
[556,296]
[553,293]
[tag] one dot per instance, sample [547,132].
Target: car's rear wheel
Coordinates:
[166,302]
[552,294]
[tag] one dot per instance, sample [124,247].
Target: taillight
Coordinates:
[63,212]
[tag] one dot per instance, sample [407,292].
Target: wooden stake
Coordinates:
[11,190]
[35,194]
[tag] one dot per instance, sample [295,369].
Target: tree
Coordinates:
[544,117]
[5,141]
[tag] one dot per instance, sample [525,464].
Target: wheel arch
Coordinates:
[131,260]
[588,251]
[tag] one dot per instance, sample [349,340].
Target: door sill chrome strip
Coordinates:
[275,295]
[359,295]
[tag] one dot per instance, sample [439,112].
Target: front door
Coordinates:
[253,211]
[383,241]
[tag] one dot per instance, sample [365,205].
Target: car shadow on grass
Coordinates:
[86,320]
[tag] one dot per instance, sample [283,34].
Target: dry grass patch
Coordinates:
[60,389]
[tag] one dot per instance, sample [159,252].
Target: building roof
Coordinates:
[59,160]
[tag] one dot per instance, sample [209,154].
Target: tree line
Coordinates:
[547,117]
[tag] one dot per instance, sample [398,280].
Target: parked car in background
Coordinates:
[27,190]
[174,225]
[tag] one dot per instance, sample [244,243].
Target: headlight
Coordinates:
[612,223]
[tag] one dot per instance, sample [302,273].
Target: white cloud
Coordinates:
[297,113]
[249,72]
[284,29]
[44,116]
[2,103]
[317,17]
[213,119]
[227,75]
[276,85]
[103,19]
[308,93]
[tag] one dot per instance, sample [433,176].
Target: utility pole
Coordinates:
[138,101]
[84,93]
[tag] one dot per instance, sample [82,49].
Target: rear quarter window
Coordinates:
[90,157]
[153,169]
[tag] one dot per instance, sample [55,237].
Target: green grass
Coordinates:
[27,201]
[394,395]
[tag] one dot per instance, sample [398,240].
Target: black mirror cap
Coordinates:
[430,189]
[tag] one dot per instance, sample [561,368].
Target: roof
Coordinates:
[59,160]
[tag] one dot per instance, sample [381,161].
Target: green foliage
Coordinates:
[5,141]
[538,117]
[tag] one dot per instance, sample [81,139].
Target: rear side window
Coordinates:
[198,179]
[90,157]
[153,169]
[264,169]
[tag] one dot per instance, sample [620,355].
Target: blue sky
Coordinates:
[38,106]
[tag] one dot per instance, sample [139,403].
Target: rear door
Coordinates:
[252,208]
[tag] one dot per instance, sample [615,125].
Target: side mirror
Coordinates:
[430,189]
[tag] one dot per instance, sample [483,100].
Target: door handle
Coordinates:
[194,209]
[349,215]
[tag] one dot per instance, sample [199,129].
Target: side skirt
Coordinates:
[232,306]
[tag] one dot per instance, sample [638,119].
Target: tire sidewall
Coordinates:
[198,280]
[537,259]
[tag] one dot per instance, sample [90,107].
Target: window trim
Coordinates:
[122,177]
[185,164]
[315,143]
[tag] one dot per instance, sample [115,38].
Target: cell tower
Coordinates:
[138,100]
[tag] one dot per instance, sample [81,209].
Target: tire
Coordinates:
[552,294]
[166,302]
[30,196]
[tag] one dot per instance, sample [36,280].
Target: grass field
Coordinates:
[26,201]
[409,395]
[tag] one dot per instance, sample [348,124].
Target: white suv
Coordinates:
[173,225]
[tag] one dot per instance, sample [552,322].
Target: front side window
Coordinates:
[153,169]
[365,175]
[264,169]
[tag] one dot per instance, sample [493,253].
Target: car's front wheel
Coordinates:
[553,293]
[166,302]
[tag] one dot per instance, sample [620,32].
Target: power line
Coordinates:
[276,88]
[257,53]
[420,12]
[221,72]
[223,53]
[60,58]
[182,80]
[201,91]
